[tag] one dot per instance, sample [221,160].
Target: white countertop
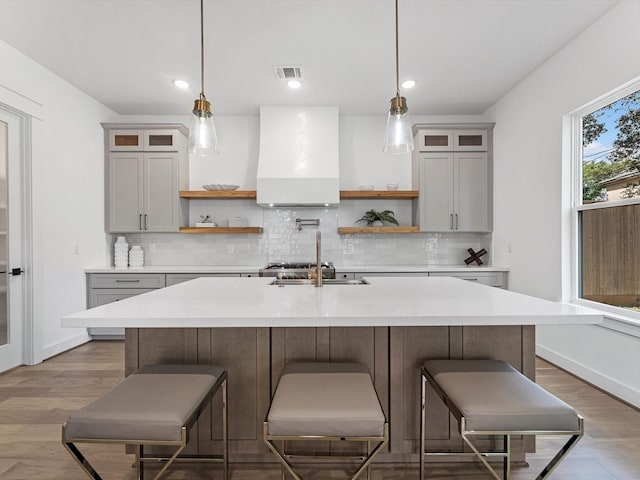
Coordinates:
[252,302]
[339,268]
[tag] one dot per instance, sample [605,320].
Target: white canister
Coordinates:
[121,253]
[136,256]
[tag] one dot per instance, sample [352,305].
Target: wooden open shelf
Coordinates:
[356,230]
[385,194]
[227,230]
[217,193]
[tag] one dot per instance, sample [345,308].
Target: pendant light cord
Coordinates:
[202,49]
[397,56]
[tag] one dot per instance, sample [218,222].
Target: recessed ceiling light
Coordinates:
[408,84]
[294,84]
[181,84]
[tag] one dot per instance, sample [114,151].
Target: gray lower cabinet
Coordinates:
[175,278]
[103,288]
[493,279]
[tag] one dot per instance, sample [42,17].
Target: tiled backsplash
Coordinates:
[282,241]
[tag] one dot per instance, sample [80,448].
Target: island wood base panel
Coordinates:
[254,358]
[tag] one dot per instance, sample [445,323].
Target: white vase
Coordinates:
[121,253]
[377,223]
[136,256]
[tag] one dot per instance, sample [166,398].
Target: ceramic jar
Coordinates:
[136,256]
[121,253]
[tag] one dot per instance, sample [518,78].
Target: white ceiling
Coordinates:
[464,54]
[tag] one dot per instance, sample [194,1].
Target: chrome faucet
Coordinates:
[318,260]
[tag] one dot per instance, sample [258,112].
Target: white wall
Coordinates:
[67,198]
[532,181]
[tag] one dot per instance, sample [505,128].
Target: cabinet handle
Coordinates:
[471,279]
[451,221]
[128,281]
[456,221]
[146,225]
[140,222]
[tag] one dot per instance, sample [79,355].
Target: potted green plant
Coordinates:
[378,219]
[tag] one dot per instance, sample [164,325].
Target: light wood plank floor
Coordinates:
[35,401]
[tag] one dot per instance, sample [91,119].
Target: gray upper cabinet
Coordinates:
[452,170]
[146,167]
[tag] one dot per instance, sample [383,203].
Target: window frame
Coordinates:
[616,318]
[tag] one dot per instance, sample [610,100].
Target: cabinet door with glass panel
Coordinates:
[452,140]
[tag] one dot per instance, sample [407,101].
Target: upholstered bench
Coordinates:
[326,401]
[156,405]
[490,397]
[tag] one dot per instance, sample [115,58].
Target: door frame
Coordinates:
[24,120]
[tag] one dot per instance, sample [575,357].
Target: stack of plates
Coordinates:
[220,186]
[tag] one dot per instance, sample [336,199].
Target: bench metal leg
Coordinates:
[367,463]
[562,453]
[506,461]
[423,422]
[139,462]
[282,458]
[82,461]
[225,433]
[481,456]
[367,459]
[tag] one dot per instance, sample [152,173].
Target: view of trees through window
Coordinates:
[610,232]
[611,151]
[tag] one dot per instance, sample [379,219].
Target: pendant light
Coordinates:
[202,135]
[398,138]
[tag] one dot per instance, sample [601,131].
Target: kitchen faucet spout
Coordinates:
[318,260]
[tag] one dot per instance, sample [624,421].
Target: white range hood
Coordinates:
[298,162]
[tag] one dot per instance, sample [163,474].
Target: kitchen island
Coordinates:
[392,325]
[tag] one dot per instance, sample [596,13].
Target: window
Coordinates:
[608,204]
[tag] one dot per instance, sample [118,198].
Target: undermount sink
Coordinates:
[309,281]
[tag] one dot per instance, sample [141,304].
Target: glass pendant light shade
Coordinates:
[398,138]
[203,139]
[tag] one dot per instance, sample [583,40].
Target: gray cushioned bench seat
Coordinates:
[326,399]
[494,396]
[153,404]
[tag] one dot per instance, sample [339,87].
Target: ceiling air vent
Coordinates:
[288,73]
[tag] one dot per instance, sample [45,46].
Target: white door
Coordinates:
[11,278]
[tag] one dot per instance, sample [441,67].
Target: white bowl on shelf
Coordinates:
[220,186]
[365,187]
[238,222]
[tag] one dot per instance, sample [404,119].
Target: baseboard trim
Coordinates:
[610,386]
[57,348]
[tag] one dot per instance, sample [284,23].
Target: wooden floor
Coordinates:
[35,401]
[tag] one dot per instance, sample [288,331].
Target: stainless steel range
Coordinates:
[297,270]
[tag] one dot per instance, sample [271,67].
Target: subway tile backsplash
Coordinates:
[283,241]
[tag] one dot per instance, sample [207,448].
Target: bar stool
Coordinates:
[326,402]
